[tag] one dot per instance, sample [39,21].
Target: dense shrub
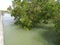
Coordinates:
[29,13]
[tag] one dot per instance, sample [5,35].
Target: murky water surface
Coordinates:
[15,35]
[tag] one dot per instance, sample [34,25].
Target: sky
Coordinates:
[4,4]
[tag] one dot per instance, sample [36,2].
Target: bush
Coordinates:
[29,13]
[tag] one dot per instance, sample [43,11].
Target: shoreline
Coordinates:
[1,31]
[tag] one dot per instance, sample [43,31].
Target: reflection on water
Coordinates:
[15,35]
[8,19]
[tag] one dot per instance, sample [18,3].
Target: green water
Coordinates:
[15,35]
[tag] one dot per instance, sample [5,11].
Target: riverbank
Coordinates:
[1,31]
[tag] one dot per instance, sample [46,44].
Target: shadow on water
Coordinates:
[15,35]
[49,34]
